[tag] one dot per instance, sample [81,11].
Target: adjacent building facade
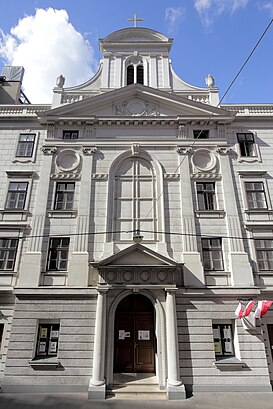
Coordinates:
[135,212]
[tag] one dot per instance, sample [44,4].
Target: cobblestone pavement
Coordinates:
[80,401]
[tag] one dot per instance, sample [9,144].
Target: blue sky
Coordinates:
[210,36]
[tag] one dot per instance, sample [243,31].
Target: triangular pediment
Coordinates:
[136,101]
[137,255]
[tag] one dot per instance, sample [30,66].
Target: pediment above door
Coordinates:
[139,266]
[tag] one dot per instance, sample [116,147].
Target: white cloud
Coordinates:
[268,6]
[209,9]
[47,45]
[173,16]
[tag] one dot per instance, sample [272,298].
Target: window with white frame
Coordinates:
[206,195]
[16,197]
[135,199]
[64,196]
[255,194]
[8,250]
[264,252]
[70,134]
[212,254]
[25,145]
[58,254]
[48,340]
[246,144]
[223,340]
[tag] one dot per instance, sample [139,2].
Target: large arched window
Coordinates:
[135,199]
[135,73]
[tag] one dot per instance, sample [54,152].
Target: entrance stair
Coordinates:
[132,386]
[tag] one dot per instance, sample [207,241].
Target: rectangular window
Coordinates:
[8,249]
[58,254]
[212,254]
[223,340]
[264,251]
[70,134]
[1,334]
[255,194]
[64,196]
[246,144]
[17,194]
[25,145]
[201,134]
[48,340]
[206,196]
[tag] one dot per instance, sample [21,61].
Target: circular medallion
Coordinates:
[68,160]
[161,276]
[145,276]
[204,160]
[135,108]
[111,276]
[127,276]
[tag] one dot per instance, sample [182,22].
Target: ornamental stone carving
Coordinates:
[223,150]
[135,148]
[184,150]
[182,132]
[65,175]
[89,150]
[141,276]
[136,107]
[49,150]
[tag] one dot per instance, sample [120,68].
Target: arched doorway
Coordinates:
[134,346]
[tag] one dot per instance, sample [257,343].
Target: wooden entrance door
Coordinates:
[134,335]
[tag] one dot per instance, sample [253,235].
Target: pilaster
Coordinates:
[79,260]
[241,272]
[31,265]
[193,269]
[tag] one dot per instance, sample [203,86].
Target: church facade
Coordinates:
[136,212]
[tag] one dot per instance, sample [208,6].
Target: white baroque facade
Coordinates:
[135,212]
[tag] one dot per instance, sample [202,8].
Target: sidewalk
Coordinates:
[80,401]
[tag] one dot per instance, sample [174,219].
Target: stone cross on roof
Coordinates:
[135,19]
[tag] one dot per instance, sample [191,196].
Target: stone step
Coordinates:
[136,391]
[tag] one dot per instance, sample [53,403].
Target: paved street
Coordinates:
[80,401]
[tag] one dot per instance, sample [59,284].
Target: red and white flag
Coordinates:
[263,307]
[239,310]
[248,308]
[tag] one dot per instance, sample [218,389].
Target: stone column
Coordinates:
[97,387]
[176,390]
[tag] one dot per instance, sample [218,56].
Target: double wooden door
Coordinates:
[134,335]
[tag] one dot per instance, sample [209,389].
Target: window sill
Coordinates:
[23,159]
[248,159]
[231,363]
[62,213]
[210,213]
[253,211]
[216,272]
[44,363]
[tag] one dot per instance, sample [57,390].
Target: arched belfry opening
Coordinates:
[135,343]
[135,72]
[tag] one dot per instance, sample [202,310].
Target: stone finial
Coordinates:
[60,81]
[210,81]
